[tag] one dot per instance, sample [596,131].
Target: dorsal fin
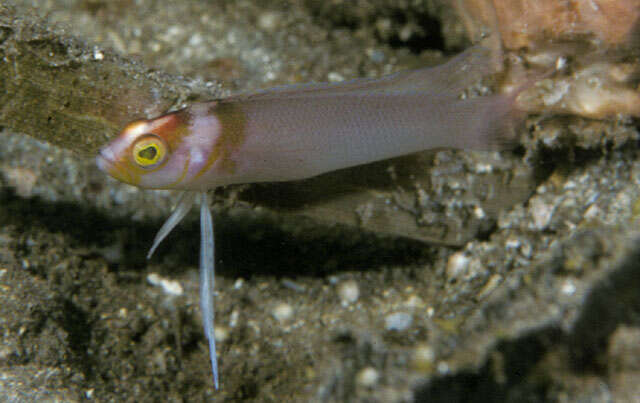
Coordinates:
[450,78]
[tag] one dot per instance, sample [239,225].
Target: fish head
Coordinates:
[161,153]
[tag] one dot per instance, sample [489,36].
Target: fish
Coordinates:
[299,131]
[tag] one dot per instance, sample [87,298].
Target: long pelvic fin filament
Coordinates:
[182,208]
[207,271]
[207,279]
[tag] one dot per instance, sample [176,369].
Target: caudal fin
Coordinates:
[498,119]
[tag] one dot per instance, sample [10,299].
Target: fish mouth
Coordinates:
[102,163]
[107,163]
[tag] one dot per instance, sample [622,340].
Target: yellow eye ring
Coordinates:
[149,151]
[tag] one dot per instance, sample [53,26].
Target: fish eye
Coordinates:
[149,151]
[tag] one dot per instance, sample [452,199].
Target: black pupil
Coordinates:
[148,153]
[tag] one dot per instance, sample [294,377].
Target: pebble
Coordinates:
[376,55]
[493,283]
[367,377]
[233,318]
[457,265]
[282,312]
[423,358]
[170,287]
[220,333]
[414,302]
[623,350]
[335,77]
[97,54]
[349,292]
[5,354]
[269,21]
[568,287]
[398,321]
[541,213]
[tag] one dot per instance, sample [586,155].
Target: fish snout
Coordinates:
[105,160]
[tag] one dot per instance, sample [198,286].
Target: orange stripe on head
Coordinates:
[171,127]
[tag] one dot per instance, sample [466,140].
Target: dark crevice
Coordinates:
[509,375]
[75,322]
[426,36]
[246,244]
[5,33]
[614,301]
[415,30]
[533,366]
[568,158]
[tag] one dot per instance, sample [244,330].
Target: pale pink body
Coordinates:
[295,132]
